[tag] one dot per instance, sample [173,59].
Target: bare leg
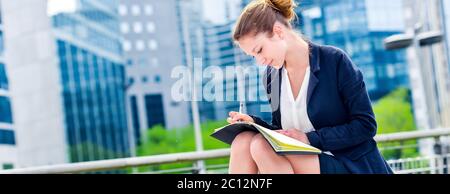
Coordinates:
[270,162]
[304,164]
[266,159]
[241,161]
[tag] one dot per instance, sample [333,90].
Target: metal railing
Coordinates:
[431,164]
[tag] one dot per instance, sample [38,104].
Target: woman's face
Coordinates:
[270,51]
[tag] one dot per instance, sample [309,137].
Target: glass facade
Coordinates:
[94,104]
[353,26]
[92,23]
[93,82]
[5,113]
[7,137]
[3,77]
[135,119]
[155,110]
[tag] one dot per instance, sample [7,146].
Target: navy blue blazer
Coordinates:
[339,109]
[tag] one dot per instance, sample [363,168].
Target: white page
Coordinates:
[283,138]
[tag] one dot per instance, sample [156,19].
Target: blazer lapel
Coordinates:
[314,62]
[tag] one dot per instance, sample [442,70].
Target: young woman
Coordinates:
[317,95]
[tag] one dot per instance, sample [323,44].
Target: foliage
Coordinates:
[394,114]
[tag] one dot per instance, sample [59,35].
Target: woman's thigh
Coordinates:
[304,164]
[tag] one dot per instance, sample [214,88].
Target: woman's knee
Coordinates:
[259,146]
[242,140]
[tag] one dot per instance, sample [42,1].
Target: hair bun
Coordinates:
[285,7]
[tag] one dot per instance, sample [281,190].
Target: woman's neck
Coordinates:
[297,55]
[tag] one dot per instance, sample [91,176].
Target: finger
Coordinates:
[239,117]
[230,120]
[232,113]
[282,132]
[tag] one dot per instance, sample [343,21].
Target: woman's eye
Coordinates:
[260,50]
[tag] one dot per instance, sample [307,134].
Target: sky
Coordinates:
[214,10]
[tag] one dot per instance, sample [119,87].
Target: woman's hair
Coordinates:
[261,15]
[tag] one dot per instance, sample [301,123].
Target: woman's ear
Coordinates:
[278,30]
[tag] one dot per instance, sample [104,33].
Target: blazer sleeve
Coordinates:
[361,125]
[261,122]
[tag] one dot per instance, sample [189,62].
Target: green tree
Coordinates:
[167,141]
[393,114]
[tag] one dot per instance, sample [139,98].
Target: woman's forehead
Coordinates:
[253,38]
[247,43]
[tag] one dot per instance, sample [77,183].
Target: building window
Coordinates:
[144,79]
[5,113]
[140,46]
[127,45]
[390,70]
[135,10]
[3,78]
[129,62]
[123,10]
[318,29]
[148,9]
[124,28]
[150,27]
[155,110]
[7,137]
[135,119]
[152,45]
[157,79]
[8,166]
[137,27]
[131,81]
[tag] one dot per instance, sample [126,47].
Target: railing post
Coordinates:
[438,154]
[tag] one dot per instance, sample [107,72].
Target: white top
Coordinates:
[293,112]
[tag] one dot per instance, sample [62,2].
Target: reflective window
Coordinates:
[148,9]
[150,27]
[152,44]
[123,10]
[137,27]
[5,113]
[135,10]
[140,45]
[3,77]
[7,137]
[124,27]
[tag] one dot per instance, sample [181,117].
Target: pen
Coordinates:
[241,105]
[241,108]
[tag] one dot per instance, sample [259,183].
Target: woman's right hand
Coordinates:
[238,117]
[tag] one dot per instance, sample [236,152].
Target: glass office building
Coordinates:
[8,159]
[93,79]
[150,29]
[359,27]
[6,118]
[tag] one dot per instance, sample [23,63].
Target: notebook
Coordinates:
[280,143]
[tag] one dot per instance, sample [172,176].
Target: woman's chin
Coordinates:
[276,66]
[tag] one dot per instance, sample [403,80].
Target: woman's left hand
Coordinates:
[296,134]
